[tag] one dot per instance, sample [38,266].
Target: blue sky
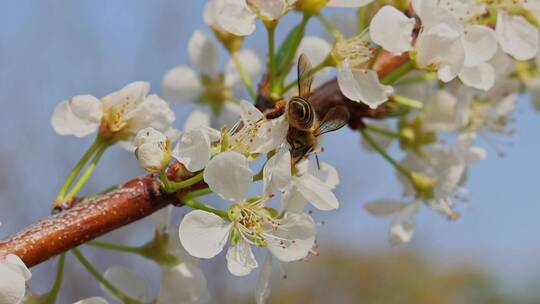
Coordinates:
[52,50]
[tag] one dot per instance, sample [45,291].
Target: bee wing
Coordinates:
[305,78]
[334,119]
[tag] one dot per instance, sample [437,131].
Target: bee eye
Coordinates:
[298,109]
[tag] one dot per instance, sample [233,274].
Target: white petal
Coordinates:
[299,231]
[183,283]
[12,284]
[181,84]
[240,259]
[517,36]
[203,52]
[441,112]
[153,156]
[403,227]
[79,116]
[18,265]
[440,46]
[480,44]
[315,48]
[292,200]
[262,290]
[270,135]
[322,171]
[362,85]
[316,192]
[481,77]
[383,141]
[251,64]
[235,17]
[197,119]
[392,30]
[193,149]
[277,172]
[249,113]
[384,207]
[148,135]
[203,234]
[348,3]
[127,99]
[130,283]
[162,218]
[93,300]
[228,175]
[153,112]
[270,9]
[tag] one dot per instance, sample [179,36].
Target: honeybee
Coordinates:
[304,125]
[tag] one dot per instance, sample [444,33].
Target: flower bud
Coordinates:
[152,150]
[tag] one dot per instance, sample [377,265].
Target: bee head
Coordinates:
[300,113]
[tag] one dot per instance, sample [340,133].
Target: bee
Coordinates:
[304,125]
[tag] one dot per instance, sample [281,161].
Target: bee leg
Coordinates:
[317,159]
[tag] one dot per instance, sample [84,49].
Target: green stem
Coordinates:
[243,75]
[329,26]
[416,79]
[77,169]
[362,18]
[197,193]
[411,103]
[110,287]
[375,57]
[116,247]
[51,296]
[172,186]
[382,131]
[398,73]
[86,174]
[271,29]
[198,205]
[386,156]
[289,59]
[313,70]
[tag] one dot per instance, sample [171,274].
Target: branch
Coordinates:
[143,196]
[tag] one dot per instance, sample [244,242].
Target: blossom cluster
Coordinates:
[461,67]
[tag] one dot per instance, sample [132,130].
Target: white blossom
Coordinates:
[13,277]
[152,149]
[120,114]
[392,30]
[517,36]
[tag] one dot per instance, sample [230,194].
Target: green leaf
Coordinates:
[287,49]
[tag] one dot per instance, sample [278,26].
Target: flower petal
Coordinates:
[270,135]
[130,283]
[348,3]
[183,283]
[79,116]
[262,290]
[321,170]
[316,192]
[277,172]
[294,238]
[161,219]
[92,300]
[203,234]
[517,36]
[392,30]
[181,84]
[251,64]
[193,149]
[235,17]
[249,113]
[228,175]
[240,259]
[384,207]
[12,284]
[403,227]
[480,44]
[197,119]
[481,77]
[127,100]
[362,85]
[203,52]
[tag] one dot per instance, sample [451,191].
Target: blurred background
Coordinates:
[52,50]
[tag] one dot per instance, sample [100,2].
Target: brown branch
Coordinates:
[143,196]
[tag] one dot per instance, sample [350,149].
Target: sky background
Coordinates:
[53,50]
